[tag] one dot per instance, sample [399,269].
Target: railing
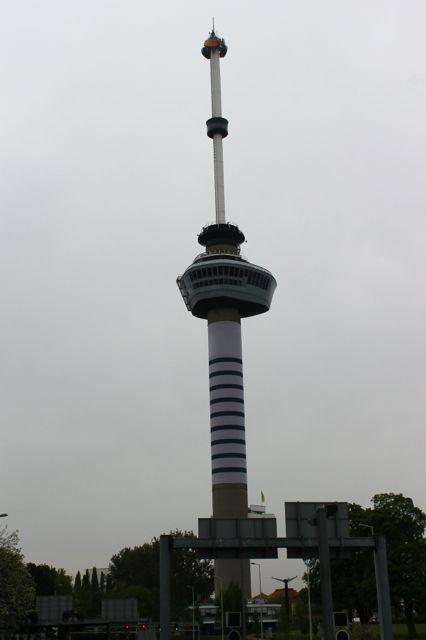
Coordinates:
[213,223]
[220,252]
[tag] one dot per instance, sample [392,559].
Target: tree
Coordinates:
[85,583]
[404,525]
[50,581]
[44,578]
[354,587]
[232,598]
[94,582]
[301,613]
[102,582]
[87,598]
[108,585]
[63,583]
[139,567]
[17,589]
[77,582]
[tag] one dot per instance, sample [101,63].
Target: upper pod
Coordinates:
[213,42]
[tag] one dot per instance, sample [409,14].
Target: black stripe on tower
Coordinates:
[230,470]
[218,414]
[214,374]
[225,359]
[217,125]
[216,387]
[219,456]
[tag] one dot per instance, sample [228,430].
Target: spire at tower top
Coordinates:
[214,42]
[217,127]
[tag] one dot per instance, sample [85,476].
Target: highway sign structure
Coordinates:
[300,523]
[261,545]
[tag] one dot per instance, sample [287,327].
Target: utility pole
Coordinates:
[261,604]
[222,614]
[285,581]
[309,599]
[193,610]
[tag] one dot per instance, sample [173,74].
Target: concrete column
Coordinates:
[165,586]
[227,422]
[325,575]
[383,591]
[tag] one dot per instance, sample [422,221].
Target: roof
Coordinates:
[279,593]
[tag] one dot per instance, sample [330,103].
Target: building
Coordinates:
[211,616]
[259,511]
[222,287]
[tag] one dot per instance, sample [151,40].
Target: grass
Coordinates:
[399,631]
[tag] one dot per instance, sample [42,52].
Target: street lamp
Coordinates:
[308,568]
[221,606]
[285,581]
[256,564]
[3,515]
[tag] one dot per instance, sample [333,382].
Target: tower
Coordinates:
[222,287]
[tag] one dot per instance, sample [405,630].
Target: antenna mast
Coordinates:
[217,126]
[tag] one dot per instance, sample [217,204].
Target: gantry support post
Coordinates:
[383,591]
[165,586]
[286,602]
[325,574]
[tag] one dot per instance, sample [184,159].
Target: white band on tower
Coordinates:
[219,181]
[215,83]
[219,186]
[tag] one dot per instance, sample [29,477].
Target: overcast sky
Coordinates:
[106,180]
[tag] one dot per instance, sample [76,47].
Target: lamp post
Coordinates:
[256,564]
[3,515]
[308,568]
[285,581]
[222,623]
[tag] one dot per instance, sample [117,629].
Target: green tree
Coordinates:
[50,581]
[102,582]
[94,582]
[108,585]
[85,583]
[17,588]
[44,577]
[87,599]
[63,583]
[232,598]
[300,614]
[77,582]
[139,567]
[354,587]
[404,525]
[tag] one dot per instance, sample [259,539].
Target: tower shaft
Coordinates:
[227,426]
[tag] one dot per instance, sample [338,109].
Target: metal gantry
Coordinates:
[243,547]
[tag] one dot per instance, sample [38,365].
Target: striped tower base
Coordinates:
[229,468]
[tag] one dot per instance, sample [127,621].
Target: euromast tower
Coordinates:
[222,287]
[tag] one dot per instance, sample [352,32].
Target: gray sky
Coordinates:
[106,179]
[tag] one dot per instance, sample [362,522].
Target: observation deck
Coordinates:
[225,279]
